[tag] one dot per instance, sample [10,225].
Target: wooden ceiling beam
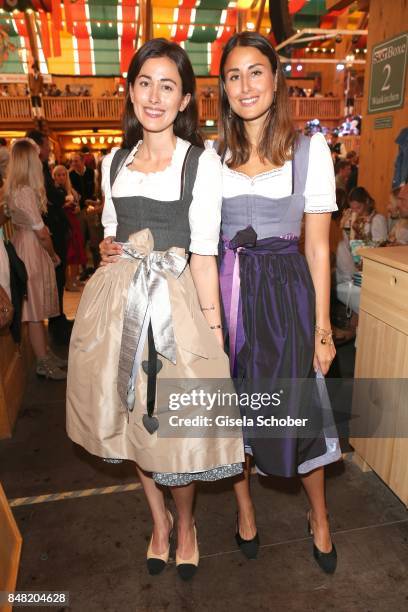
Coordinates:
[337,5]
[363,5]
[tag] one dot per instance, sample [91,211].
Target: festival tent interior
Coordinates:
[98,37]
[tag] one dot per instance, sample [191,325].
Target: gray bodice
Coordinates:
[270,217]
[167,220]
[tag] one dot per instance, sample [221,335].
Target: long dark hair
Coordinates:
[186,123]
[361,195]
[278,136]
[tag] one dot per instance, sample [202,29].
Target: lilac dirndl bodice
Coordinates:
[269,309]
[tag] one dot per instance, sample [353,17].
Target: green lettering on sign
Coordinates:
[388,69]
[382,123]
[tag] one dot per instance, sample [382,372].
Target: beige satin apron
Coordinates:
[96,416]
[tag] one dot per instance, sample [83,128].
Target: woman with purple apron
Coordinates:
[276,301]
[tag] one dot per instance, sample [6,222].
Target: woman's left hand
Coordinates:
[219,336]
[324,355]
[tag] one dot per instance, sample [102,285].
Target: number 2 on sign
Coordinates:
[387,70]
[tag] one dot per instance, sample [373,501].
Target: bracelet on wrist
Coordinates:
[326,335]
[212,307]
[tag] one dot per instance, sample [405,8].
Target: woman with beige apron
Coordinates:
[153,315]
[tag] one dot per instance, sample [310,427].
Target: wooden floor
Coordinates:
[71,301]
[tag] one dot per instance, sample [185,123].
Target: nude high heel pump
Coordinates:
[157,562]
[186,568]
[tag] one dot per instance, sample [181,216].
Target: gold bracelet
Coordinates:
[326,335]
[320,330]
[212,307]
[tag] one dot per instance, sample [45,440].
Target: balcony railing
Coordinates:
[208,108]
[86,110]
[301,108]
[83,109]
[15,109]
[319,108]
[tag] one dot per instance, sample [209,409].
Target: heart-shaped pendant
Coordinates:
[151,423]
[145,367]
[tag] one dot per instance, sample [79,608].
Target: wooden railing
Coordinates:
[316,108]
[110,107]
[358,106]
[301,108]
[82,109]
[88,109]
[352,143]
[208,108]
[15,109]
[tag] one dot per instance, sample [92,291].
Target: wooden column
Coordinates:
[378,149]
[241,15]
[340,54]
[147,20]
[29,20]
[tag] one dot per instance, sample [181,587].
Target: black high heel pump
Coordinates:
[326,561]
[248,547]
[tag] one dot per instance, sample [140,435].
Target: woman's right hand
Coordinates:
[110,251]
[56,260]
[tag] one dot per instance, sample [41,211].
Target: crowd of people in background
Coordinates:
[299,92]
[69,202]
[357,224]
[53,90]
[56,217]
[16,90]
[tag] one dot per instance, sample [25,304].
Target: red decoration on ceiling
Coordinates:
[230,23]
[68,16]
[295,6]
[127,49]
[56,20]
[42,5]
[184,19]
[81,32]
[45,34]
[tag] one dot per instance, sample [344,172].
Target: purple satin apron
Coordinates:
[269,310]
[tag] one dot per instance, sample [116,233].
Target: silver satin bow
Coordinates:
[148,297]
